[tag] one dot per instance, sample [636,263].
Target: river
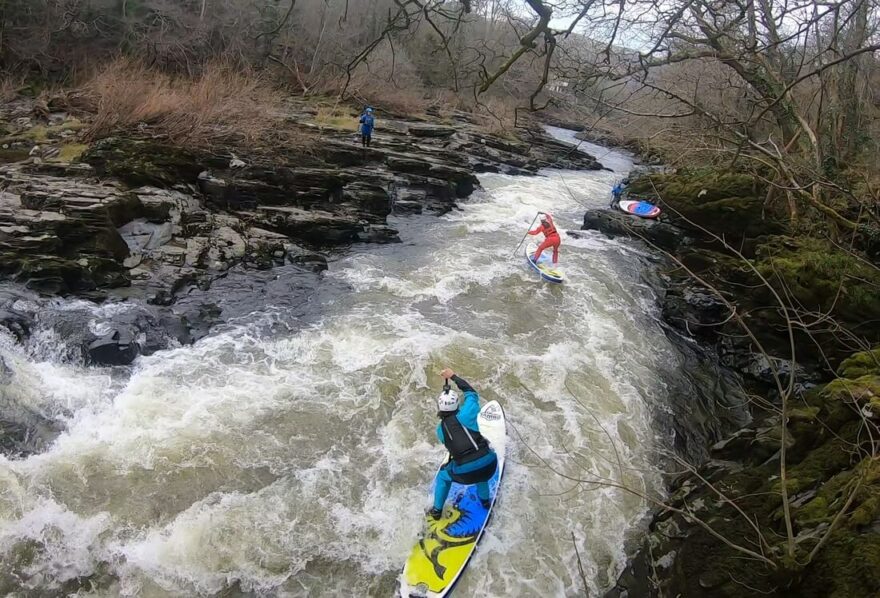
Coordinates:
[281,460]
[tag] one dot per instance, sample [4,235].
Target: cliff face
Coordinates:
[783,307]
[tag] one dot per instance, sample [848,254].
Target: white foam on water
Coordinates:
[64,545]
[299,463]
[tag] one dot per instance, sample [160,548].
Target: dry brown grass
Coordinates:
[336,116]
[400,102]
[220,105]
[9,87]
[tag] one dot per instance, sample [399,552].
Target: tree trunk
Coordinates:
[854,38]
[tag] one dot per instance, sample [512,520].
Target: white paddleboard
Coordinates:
[639,208]
[545,266]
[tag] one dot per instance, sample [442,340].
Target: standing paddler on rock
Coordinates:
[367,123]
[471,460]
[616,193]
[551,237]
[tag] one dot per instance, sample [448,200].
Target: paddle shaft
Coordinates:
[527,233]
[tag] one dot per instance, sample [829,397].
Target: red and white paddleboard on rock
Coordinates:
[642,209]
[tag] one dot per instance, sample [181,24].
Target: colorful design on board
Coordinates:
[438,558]
[545,266]
[639,208]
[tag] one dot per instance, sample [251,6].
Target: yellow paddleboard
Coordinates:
[440,556]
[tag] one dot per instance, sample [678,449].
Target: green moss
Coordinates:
[866,513]
[815,511]
[860,364]
[71,152]
[700,186]
[849,393]
[821,277]
[726,203]
[848,566]
[74,124]
[36,133]
[803,413]
[819,465]
[336,117]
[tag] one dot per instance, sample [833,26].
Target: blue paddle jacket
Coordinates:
[367,123]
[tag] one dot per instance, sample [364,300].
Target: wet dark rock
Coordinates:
[425,130]
[313,226]
[617,224]
[58,235]
[24,438]
[739,354]
[709,405]
[379,234]
[18,324]
[694,310]
[115,348]
[313,262]
[288,288]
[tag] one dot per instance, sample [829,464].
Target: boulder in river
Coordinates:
[615,223]
[115,348]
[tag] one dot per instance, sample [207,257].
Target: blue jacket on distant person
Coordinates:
[367,122]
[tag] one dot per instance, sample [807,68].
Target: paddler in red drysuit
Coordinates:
[551,237]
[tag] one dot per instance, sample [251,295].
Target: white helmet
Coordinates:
[447,401]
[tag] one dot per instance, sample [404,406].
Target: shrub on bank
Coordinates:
[220,104]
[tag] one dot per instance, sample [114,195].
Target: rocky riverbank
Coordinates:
[138,219]
[781,308]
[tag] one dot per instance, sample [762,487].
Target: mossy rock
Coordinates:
[827,471]
[821,278]
[70,152]
[730,204]
[860,364]
[847,567]
[149,162]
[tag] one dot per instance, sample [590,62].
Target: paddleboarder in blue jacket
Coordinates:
[471,460]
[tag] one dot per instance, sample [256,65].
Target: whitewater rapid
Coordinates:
[278,460]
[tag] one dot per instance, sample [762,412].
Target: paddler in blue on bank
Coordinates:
[471,460]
